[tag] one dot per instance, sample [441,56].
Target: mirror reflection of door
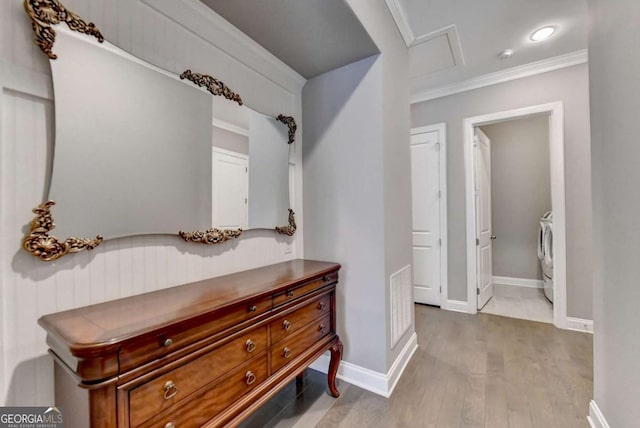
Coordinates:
[230,189]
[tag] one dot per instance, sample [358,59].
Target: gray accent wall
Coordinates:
[569,85]
[357,185]
[614,68]
[520,193]
[343,200]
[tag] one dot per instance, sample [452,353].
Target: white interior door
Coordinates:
[425,184]
[482,151]
[230,190]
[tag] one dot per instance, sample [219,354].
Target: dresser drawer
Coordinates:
[301,290]
[291,347]
[134,354]
[204,406]
[290,324]
[162,392]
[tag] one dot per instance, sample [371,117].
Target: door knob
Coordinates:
[493,236]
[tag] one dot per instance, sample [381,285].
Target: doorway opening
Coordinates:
[481,282]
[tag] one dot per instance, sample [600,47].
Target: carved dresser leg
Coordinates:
[336,356]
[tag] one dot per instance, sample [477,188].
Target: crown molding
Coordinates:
[527,70]
[202,21]
[400,18]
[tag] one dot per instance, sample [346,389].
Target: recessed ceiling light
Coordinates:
[543,33]
[506,54]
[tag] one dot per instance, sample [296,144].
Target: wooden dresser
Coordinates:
[202,354]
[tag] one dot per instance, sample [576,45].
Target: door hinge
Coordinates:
[477,241]
[437,147]
[439,195]
[440,290]
[440,242]
[246,169]
[478,291]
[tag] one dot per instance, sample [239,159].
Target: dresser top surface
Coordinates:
[110,322]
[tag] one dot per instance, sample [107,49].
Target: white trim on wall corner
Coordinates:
[514,73]
[596,418]
[378,383]
[579,324]
[457,306]
[400,18]
[517,282]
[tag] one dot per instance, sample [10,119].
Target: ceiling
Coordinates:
[450,40]
[310,36]
[455,40]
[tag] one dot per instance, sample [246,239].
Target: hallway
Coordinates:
[469,371]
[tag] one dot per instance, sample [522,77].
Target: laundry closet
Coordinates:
[517,180]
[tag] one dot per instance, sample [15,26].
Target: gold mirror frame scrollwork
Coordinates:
[46,13]
[291,124]
[210,236]
[48,248]
[213,85]
[290,229]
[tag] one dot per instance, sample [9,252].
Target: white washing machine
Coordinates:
[545,252]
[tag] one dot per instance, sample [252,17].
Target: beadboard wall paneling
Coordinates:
[118,268]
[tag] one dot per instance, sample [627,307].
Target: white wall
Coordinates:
[520,193]
[614,68]
[358,184]
[192,38]
[569,85]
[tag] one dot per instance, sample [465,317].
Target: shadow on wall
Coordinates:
[351,77]
[30,267]
[31,375]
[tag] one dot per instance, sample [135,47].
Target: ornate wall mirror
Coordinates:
[140,151]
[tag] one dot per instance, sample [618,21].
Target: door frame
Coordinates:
[444,266]
[555,111]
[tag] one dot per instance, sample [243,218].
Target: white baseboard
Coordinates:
[596,418]
[518,282]
[378,383]
[579,324]
[457,306]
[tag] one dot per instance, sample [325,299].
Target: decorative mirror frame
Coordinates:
[38,242]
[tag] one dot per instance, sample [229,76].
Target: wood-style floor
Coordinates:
[469,371]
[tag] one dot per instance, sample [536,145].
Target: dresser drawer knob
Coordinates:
[170,389]
[167,342]
[286,352]
[250,377]
[251,345]
[322,306]
[170,425]
[286,325]
[326,278]
[289,293]
[253,308]
[321,327]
